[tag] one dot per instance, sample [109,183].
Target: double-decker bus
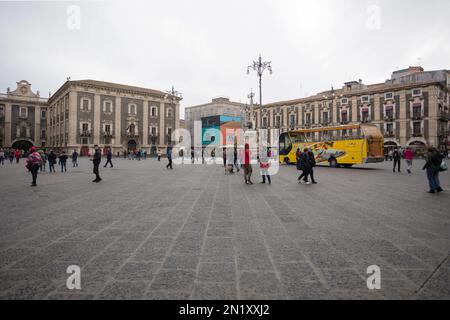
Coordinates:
[338,146]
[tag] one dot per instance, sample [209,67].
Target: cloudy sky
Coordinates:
[203,47]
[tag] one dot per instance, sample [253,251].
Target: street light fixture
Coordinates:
[260,66]
[173,96]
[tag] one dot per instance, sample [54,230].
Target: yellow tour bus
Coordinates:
[338,146]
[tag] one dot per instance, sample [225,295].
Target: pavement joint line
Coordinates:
[431,276]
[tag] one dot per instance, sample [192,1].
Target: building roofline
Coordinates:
[372,89]
[111,86]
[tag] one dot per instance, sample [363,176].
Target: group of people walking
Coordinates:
[11,155]
[306,162]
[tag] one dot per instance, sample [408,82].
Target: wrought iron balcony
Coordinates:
[85,133]
[389,134]
[107,134]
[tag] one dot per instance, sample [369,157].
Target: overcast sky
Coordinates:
[203,47]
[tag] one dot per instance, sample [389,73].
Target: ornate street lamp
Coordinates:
[260,66]
[173,94]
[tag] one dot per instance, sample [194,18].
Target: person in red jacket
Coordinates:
[408,155]
[247,165]
[33,163]
[17,155]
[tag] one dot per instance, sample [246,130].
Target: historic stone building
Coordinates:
[217,107]
[84,113]
[411,109]
[23,118]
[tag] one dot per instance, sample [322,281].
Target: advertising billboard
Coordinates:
[213,126]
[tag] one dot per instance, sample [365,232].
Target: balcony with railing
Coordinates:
[131,134]
[389,134]
[107,134]
[85,133]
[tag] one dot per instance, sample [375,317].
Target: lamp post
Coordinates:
[173,96]
[260,66]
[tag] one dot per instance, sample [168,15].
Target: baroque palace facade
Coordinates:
[23,117]
[411,109]
[84,113]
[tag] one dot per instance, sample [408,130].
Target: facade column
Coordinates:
[97,112]
[376,108]
[117,122]
[145,125]
[403,121]
[37,126]
[8,126]
[355,110]
[73,120]
[162,115]
[300,116]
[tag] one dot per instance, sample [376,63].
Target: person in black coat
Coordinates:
[433,166]
[96,161]
[397,159]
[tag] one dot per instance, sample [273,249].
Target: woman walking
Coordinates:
[264,165]
[408,155]
[52,161]
[33,163]
[433,166]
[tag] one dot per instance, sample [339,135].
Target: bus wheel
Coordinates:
[333,163]
[286,161]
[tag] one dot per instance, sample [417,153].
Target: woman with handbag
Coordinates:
[434,164]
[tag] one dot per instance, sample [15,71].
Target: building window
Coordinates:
[43,114]
[344,116]
[169,132]
[417,128]
[264,123]
[308,119]
[365,99]
[390,129]
[344,101]
[325,117]
[388,96]
[389,112]
[23,112]
[85,104]
[84,140]
[365,115]
[132,108]
[292,120]
[107,107]
[2,111]
[417,93]
[154,112]
[417,111]
[278,122]
[153,131]
[107,128]
[169,113]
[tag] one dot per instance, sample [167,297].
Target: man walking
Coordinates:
[396,157]
[75,158]
[96,161]
[2,157]
[52,161]
[312,164]
[63,161]
[169,157]
[108,158]
[408,154]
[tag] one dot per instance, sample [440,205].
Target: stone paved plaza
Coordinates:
[193,233]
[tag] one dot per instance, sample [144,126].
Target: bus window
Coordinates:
[284,144]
